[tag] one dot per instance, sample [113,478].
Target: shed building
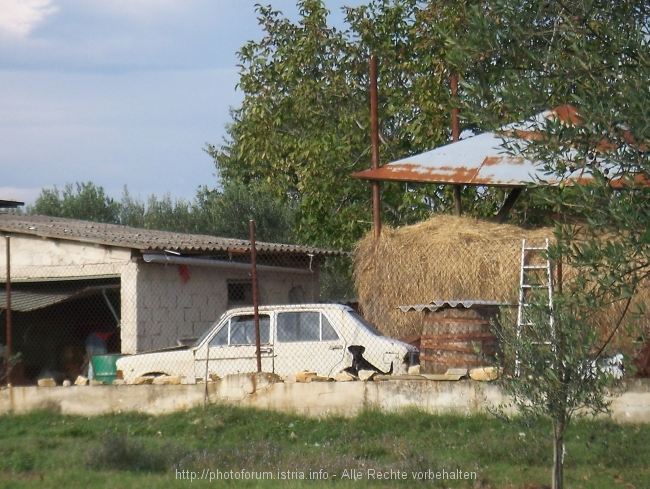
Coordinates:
[138,289]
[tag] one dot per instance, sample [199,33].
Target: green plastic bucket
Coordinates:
[104,367]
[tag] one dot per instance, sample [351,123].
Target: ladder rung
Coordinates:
[531,248]
[535,267]
[534,286]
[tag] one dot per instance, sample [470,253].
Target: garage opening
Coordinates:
[54,321]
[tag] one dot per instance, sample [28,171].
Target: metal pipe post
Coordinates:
[374,136]
[256,314]
[455,136]
[8,290]
[559,260]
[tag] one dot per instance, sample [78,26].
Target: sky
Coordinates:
[120,92]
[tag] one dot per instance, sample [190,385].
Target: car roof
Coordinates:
[288,308]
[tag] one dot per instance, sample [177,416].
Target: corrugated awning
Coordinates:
[466,303]
[27,300]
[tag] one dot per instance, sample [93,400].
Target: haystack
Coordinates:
[444,258]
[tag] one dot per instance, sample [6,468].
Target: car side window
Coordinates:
[327,330]
[304,326]
[241,331]
[221,338]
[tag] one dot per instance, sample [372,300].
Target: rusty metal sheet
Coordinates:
[479,160]
[482,160]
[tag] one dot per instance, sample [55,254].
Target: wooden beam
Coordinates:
[508,205]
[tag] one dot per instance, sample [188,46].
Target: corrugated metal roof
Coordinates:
[27,300]
[10,204]
[466,303]
[482,160]
[136,238]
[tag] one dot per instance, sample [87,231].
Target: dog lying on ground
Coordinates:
[360,364]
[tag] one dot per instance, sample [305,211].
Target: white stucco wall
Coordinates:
[60,258]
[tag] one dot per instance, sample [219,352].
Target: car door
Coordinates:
[231,348]
[307,340]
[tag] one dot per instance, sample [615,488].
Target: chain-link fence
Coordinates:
[75,311]
[78,310]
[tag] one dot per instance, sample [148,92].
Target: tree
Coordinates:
[88,201]
[227,213]
[219,213]
[594,56]
[303,126]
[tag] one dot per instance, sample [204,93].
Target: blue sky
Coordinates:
[120,91]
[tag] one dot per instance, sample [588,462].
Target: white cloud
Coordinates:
[19,17]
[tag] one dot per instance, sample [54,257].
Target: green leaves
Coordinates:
[303,126]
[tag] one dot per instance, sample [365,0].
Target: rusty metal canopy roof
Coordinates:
[482,160]
[140,239]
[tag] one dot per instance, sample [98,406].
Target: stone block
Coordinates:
[191,315]
[152,328]
[304,376]
[366,375]
[183,300]
[176,316]
[343,377]
[484,374]
[152,301]
[167,380]
[142,380]
[49,382]
[199,301]
[160,315]
[81,380]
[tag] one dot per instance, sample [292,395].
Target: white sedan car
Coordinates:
[321,338]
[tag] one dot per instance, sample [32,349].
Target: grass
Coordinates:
[49,450]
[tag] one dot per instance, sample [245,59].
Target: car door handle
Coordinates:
[336,347]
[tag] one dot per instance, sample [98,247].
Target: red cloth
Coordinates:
[184,273]
[104,336]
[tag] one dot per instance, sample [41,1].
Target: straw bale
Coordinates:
[444,258]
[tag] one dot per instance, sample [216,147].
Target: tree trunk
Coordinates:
[558,455]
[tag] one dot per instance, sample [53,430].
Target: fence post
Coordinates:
[256,316]
[8,290]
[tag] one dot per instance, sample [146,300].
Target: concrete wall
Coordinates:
[82,258]
[631,405]
[172,305]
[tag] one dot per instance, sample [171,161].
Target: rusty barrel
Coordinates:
[457,337]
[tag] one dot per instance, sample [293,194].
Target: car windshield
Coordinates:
[207,331]
[370,327]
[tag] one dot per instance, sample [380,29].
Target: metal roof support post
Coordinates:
[8,290]
[374,135]
[256,314]
[455,136]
